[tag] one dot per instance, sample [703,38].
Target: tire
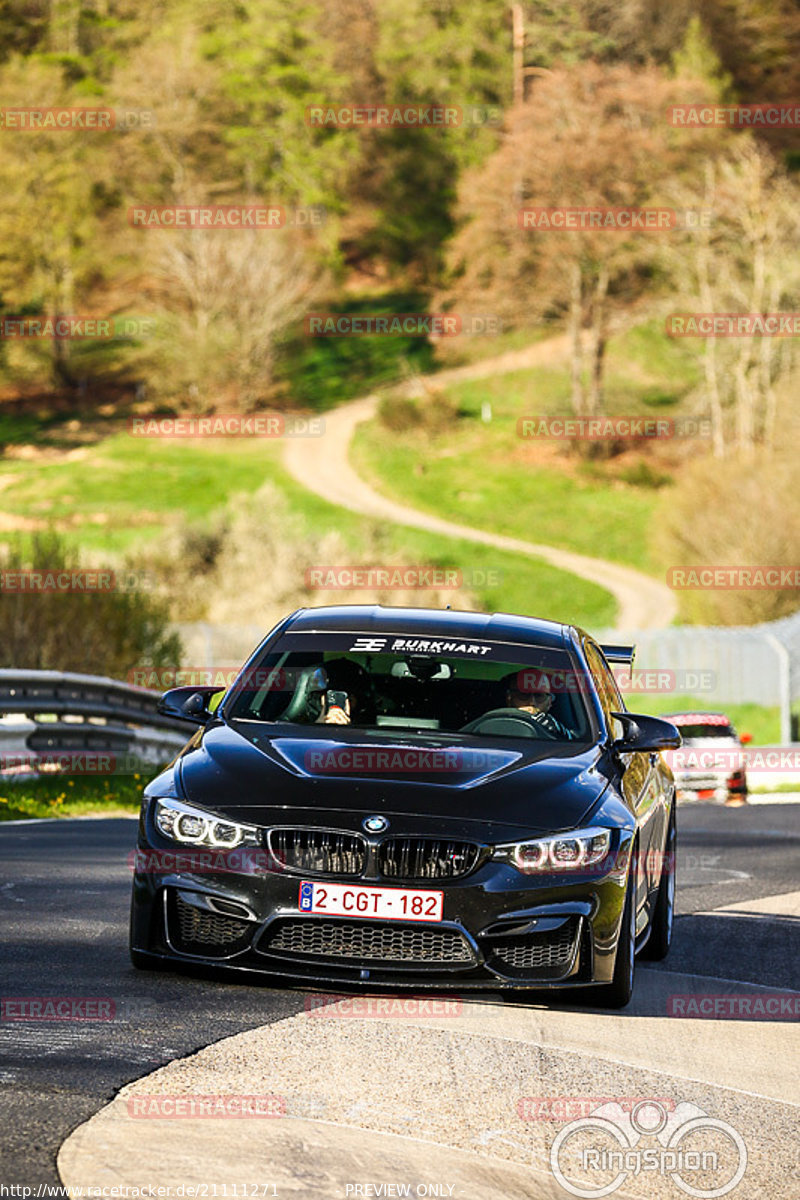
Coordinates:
[662,920]
[618,993]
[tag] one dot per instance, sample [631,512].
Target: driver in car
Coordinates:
[333,714]
[349,691]
[536,704]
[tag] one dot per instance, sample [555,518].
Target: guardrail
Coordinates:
[46,714]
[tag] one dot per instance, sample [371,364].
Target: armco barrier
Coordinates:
[53,712]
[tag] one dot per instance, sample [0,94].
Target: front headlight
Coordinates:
[192,827]
[557,852]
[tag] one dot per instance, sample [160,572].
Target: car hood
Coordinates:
[422,785]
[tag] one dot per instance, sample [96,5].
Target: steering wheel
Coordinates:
[306,684]
[521,724]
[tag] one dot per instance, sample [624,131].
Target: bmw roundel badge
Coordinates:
[375,824]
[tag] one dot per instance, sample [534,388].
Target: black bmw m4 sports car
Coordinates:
[419,798]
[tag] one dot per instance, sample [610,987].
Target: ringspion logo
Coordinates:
[595,1155]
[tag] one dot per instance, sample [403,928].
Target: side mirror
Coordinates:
[188,703]
[744,738]
[645,733]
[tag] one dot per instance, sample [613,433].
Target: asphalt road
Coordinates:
[63,914]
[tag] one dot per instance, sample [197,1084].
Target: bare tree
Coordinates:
[228,295]
[742,261]
[586,137]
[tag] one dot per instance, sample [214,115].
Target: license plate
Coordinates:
[382,904]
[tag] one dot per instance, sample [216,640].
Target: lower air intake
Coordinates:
[349,942]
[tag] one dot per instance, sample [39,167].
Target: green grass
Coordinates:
[514,583]
[136,484]
[482,474]
[18,427]
[71,796]
[118,492]
[323,371]
[113,495]
[470,476]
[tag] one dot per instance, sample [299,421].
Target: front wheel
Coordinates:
[661,922]
[618,993]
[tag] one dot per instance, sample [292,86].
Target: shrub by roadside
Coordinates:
[746,513]
[56,624]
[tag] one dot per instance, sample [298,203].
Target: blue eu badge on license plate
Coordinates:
[306,895]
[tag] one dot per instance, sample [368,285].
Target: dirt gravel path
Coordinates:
[323,466]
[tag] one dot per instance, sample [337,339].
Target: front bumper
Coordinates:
[500,929]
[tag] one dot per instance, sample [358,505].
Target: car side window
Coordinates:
[607,690]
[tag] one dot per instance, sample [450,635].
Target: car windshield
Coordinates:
[416,685]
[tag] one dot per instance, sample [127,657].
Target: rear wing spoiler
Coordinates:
[619,654]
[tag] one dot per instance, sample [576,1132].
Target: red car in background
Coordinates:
[710,764]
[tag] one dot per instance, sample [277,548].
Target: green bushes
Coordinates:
[107,630]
